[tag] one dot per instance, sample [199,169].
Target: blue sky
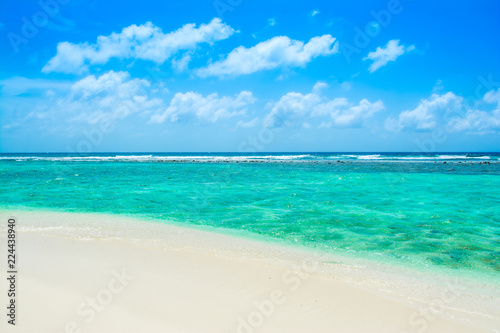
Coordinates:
[249,76]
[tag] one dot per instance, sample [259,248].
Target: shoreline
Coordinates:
[244,271]
[471,276]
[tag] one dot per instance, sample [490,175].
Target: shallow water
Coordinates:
[406,209]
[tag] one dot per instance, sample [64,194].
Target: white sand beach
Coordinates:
[102,273]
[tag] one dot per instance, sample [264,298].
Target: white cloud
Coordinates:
[145,42]
[290,106]
[113,94]
[337,112]
[62,106]
[354,115]
[271,21]
[390,52]
[450,112]
[181,64]
[425,115]
[493,96]
[209,108]
[247,124]
[476,121]
[319,86]
[480,121]
[314,13]
[276,52]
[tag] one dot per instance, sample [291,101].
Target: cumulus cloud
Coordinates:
[113,95]
[110,96]
[356,114]
[337,112]
[451,112]
[180,65]
[276,52]
[477,120]
[146,42]
[424,116]
[319,86]
[209,108]
[383,55]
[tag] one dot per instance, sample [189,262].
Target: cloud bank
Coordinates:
[450,112]
[209,108]
[276,52]
[146,42]
[336,112]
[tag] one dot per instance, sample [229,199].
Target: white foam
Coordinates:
[244,158]
[370,157]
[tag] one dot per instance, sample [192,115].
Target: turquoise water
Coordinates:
[408,209]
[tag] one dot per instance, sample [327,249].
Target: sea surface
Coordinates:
[429,211]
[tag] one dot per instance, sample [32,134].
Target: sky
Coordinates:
[249,76]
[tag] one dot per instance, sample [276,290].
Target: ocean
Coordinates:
[438,212]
